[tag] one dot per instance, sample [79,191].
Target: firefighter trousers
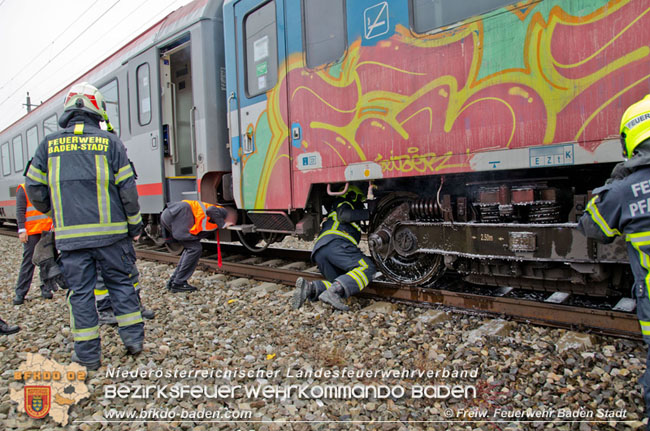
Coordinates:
[643,313]
[117,263]
[340,260]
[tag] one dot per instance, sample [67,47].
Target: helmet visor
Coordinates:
[623,145]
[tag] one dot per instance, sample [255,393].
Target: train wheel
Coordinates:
[174,248]
[418,269]
[259,241]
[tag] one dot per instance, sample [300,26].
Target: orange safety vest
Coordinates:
[35,221]
[201,223]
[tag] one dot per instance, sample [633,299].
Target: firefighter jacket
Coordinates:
[622,208]
[82,176]
[27,217]
[341,223]
[192,220]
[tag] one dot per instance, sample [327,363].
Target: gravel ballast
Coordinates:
[244,335]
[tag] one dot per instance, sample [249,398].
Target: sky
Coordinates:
[46,44]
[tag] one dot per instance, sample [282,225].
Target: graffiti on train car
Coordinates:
[541,73]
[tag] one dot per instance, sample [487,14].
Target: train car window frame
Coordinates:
[260,53]
[6,159]
[52,119]
[18,139]
[112,103]
[421,10]
[321,23]
[143,89]
[32,131]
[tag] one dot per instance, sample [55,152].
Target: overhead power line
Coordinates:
[37,56]
[64,48]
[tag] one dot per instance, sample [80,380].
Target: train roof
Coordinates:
[171,24]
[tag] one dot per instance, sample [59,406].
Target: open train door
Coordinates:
[144,148]
[258,130]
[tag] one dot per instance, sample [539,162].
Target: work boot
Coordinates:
[134,349]
[6,329]
[168,286]
[334,296]
[304,290]
[92,366]
[46,293]
[185,287]
[107,317]
[146,313]
[18,300]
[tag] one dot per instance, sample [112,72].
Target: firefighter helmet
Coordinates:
[635,126]
[354,194]
[85,97]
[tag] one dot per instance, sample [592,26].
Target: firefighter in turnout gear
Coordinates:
[187,222]
[31,224]
[337,255]
[81,174]
[621,208]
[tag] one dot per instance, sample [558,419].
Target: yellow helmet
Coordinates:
[635,126]
[354,194]
[85,97]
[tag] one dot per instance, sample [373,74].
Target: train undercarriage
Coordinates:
[507,230]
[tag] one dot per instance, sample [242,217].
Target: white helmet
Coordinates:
[85,97]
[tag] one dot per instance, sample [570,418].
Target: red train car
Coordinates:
[480,128]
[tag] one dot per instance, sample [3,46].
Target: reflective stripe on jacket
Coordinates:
[35,221]
[201,219]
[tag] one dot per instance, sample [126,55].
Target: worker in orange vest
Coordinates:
[187,222]
[31,224]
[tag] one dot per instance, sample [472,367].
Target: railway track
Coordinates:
[284,266]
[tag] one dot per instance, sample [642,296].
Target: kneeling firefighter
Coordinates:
[346,269]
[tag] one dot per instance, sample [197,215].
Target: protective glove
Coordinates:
[45,256]
[619,172]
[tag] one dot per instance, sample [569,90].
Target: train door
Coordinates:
[259,132]
[178,119]
[144,145]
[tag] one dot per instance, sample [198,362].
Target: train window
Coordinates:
[6,162]
[324,29]
[260,33]
[17,143]
[32,142]
[109,91]
[431,14]
[50,125]
[144,94]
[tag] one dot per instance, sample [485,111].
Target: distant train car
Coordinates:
[480,126]
[165,97]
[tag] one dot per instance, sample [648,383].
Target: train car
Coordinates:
[480,128]
[165,93]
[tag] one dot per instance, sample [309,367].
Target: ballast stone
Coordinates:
[574,341]
[493,328]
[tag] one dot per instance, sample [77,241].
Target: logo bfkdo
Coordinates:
[37,401]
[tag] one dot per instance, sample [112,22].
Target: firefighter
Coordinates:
[187,222]
[82,175]
[620,207]
[31,223]
[346,269]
